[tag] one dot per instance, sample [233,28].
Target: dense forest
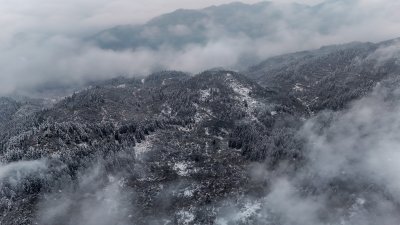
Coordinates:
[219,147]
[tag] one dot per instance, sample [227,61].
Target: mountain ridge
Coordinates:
[176,148]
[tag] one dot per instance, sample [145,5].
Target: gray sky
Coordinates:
[72,16]
[40,40]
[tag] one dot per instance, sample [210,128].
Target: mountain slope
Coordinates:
[332,76]
[214,148]
[169,130]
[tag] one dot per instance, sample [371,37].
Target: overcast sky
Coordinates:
[78,15]
[40,40]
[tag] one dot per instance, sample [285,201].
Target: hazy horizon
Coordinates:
[44,41]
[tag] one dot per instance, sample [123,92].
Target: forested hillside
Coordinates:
[271,145]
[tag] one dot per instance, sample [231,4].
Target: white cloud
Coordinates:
[95,200]
[16,171]
[41,42]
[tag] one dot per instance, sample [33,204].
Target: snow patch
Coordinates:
[105,115]
[249,210]
[205,94]
[185,217]
[167,110]
[242,215]
[298,87]
[188,192]
[201,116]
[185,129]
[121,86]
[83,145]
[181,169]
[201,113]
[244,96]
[144,146]
[207,131]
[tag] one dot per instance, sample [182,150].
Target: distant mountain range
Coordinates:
[263,20]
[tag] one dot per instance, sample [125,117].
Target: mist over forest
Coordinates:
[199,112]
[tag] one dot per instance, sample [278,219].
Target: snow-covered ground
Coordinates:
[298,87]
[241,215]
[205,94]
[243,95]
[144,146]
[185,217]
[181,168]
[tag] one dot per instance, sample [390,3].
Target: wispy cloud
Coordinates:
[96,199]
[43,41]
[351,174]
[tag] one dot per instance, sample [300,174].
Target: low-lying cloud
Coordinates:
[351,175]
[44,43]
[17,171]
[97,199]
[357,156]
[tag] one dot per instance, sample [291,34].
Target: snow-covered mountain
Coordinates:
[219,147]
[332,76]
